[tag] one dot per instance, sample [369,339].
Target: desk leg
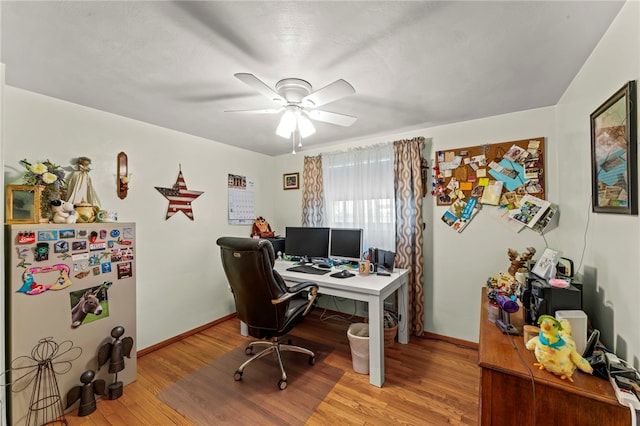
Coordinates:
[244,330]
[403,313]
[376,342]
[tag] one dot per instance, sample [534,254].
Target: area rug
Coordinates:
[210,396]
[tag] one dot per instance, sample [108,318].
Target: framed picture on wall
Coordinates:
[291,181]
[614,161]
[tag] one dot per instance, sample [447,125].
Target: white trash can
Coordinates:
[358,334]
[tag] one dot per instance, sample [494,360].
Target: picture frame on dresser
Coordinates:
[614,157]
[22,204]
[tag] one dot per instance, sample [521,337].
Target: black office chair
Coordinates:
[263,301]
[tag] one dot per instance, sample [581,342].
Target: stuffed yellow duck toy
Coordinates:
[555,349]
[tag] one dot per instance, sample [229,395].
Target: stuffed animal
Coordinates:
[261,228]
[63,212]
[519,260]
[555,349]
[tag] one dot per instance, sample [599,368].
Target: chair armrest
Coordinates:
[301,286]
[295,290]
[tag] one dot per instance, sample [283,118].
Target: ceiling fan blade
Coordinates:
[332,92]
[257,111]
[260,86]
[332,117]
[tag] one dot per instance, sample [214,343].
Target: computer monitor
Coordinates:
[306,243]
[345,244]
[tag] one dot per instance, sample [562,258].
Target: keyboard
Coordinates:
[308,269]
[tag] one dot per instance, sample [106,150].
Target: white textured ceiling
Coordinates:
[413,64]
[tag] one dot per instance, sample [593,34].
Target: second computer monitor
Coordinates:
[306,242]
[345,244]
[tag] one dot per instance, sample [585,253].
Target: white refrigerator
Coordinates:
[66,288]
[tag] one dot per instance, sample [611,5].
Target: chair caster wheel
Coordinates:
[248,350]
[237,376]
[282,384]
[312,360]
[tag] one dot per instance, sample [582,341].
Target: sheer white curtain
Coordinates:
[359,193]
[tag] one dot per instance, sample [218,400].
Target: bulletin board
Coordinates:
[496,173]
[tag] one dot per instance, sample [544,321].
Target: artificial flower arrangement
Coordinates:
[48,175]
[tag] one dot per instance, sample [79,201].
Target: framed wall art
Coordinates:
[614,161]
[22,203]
[291,181]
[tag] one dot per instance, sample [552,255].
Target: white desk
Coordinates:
[373,289]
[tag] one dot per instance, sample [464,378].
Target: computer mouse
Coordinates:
[344,273]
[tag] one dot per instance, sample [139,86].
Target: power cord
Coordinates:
[338,316]
[546,244]
[533,382]
[584,236]
[622,377]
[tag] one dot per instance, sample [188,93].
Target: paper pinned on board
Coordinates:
[492,193]
[530,211]
[460,214]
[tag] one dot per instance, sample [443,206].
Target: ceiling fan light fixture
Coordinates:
[294,120]
[305,126]
[298,101]
[287,124]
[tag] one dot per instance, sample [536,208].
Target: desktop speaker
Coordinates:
[383,260]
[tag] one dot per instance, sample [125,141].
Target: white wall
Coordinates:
[462,262]
[180,283]
[611,243]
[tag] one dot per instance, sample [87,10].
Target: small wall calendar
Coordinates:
[241,200]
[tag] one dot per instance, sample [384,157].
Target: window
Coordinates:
[359,193]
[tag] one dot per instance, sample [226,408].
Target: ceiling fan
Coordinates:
[298,102]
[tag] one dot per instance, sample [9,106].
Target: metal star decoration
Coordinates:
[179,197]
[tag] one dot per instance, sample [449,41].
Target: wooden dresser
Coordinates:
[506,388]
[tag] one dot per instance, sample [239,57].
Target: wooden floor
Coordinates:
[428,382]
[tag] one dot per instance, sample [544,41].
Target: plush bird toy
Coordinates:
[555,349]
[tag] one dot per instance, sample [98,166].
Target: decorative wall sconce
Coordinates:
[123,175]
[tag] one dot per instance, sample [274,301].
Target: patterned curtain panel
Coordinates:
[408,192]
[312,196]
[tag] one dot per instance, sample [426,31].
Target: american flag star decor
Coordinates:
[179,197]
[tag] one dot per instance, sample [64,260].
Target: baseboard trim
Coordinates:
[174,339]
[452,340]
[184,335]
